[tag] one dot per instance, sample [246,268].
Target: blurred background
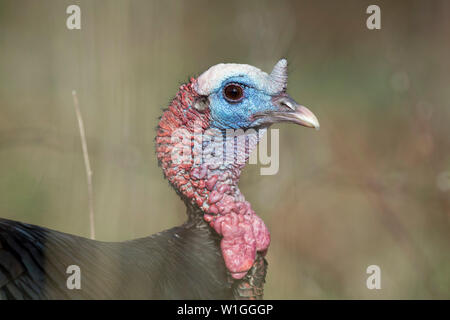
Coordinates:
[371,187]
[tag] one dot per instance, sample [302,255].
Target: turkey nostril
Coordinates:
[288,104]
[285,102]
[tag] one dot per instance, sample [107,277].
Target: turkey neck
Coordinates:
[203,165]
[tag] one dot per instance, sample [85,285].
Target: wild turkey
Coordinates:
[219,252]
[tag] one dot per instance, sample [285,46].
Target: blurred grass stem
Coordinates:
[86,164]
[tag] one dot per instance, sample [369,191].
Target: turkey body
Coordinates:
[219,252]
[180,263]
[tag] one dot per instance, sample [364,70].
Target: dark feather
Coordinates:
[180,263]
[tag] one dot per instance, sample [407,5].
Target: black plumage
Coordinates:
[181,263]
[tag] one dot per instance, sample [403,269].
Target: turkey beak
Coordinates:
[288,111]
[291,111]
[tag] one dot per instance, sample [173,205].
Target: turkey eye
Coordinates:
[233,92]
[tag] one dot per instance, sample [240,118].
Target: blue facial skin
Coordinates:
[235,115]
